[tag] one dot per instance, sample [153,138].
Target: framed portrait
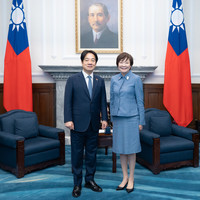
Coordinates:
[99,25]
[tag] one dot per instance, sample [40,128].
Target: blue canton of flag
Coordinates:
[177,35]
[17,34]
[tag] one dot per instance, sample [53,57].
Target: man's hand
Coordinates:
[140,127]
[70,125]
[104,124]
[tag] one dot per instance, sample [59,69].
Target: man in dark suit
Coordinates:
[85,99]
[100,36]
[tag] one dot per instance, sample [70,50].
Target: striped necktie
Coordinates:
[90,86]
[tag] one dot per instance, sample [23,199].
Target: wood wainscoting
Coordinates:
[44,102]
[153,98]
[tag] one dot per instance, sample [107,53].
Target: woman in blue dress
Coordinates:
[127,115]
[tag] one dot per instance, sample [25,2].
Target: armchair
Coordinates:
[166,145]
[26,146]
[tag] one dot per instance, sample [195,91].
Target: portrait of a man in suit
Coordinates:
[99,34]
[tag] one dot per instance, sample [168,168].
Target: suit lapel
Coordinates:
[95,83]
[85,88]
[83,83]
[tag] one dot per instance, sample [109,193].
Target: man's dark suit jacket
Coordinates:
[78,106]
[108,39]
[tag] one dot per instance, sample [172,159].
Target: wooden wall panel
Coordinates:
[2,109]
[44,102]
[153,94]
[153,98]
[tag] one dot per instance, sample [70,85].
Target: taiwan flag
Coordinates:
[177,96]
[17,92]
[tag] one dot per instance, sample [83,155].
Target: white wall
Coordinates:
[51,33]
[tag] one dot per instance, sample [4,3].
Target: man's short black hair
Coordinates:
[85,52]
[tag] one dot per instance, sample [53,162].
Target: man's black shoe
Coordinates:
[93,186]
[76,191]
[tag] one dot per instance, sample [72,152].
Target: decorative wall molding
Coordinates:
[154,33]
[64,32]
[144,30]
[61,73]
[54,30]
[43,32]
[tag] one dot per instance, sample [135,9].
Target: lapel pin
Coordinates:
[127,77]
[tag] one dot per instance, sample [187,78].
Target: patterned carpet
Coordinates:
[56,183]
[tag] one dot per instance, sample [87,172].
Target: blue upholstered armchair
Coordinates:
[26,146]
[166,145]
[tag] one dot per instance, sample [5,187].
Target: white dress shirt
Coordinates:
[86,77]
[97,35]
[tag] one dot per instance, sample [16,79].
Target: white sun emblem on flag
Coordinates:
[17,17]
[177,19]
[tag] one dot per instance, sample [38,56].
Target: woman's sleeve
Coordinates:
[111,98]
[140,99]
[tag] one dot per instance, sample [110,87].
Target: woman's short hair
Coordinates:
[124,56]
[85,52]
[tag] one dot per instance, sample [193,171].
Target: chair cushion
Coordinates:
[7,125]
[174,143]
[40,144]
[40,157]
[26,127]
[176,156]
[161,125]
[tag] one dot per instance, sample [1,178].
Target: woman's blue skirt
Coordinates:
[126,136]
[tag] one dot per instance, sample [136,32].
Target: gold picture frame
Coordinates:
[109,24]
